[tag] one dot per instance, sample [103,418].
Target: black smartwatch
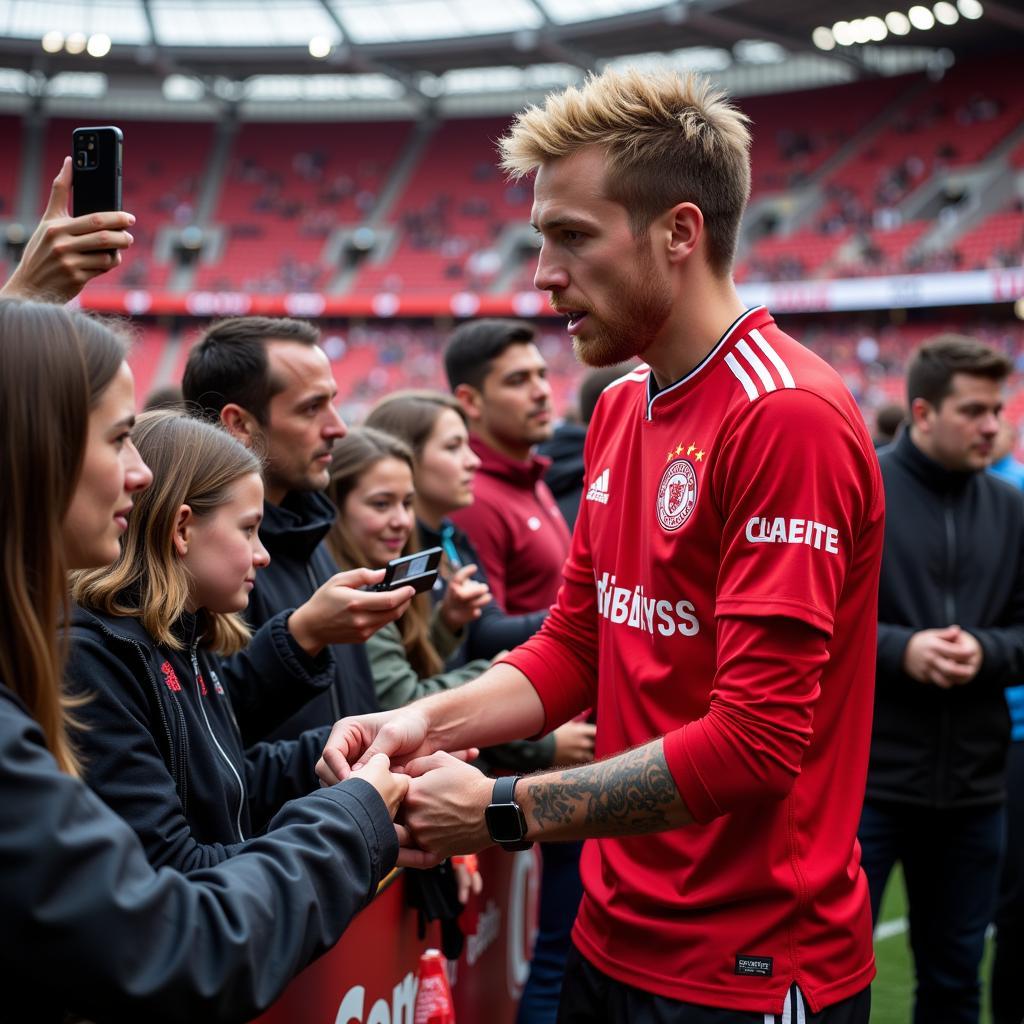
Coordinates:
[505,819]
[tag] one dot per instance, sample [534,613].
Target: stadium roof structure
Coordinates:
[416,54]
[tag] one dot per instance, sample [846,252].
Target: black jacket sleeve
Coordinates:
[272,678]
[131,943]
[1002,645]
[892,642]
[278,772]
[495,631]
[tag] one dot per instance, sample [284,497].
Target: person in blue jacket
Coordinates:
[87,925]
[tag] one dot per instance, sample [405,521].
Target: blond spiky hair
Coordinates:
[670,138]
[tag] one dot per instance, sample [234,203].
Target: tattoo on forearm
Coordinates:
[630,793]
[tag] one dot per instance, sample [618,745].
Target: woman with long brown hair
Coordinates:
[372,488]
[86,924]
[150,641]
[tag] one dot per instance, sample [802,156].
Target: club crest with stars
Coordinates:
[677,492]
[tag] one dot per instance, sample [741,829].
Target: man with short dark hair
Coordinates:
[950,638]
[501,380]
[270,384]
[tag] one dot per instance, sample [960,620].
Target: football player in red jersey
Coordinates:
[718,606]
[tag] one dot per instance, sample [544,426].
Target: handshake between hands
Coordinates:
[435,798]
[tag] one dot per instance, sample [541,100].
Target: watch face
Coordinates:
[504,822]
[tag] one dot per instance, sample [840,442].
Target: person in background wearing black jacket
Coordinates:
[270,384]
[86,924]
[159,737]
[950,639]
[565,448]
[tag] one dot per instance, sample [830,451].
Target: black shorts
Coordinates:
[589,996]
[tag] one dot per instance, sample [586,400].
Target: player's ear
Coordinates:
[684,229]
[471,401]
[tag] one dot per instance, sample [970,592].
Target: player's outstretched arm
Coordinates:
[632,793]
[498,707]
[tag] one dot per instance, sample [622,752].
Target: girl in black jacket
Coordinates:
[152,641]
[86,924]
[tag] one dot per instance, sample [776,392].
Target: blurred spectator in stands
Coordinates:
[565,448]
[950,639]
[270,384]
[169,397]
[500,378]
[1007,980]
[888,420]
[65,252]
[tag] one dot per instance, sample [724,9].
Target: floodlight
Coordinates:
[75,42]
[970,8]
[876,29]
[823,39]
[98,45]
[843,33]
[53,41]
[319,47]
[897,23]
[921,17]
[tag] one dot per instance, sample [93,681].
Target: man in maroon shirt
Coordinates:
[501,380]
[718,605]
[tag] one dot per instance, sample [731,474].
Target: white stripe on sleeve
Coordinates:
[741,375]
[776,360]
[755,361]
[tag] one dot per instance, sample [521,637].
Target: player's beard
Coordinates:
[640,311]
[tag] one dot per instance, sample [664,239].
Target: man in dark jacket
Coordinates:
[270,384]
[950,639]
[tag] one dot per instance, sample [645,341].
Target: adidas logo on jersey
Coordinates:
[598,490]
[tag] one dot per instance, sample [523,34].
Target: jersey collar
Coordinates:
[756,316]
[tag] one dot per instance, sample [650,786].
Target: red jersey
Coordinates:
[517,529]
[721,591]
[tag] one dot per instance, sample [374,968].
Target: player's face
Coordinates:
[378,511]
[303,423]
[597,272]
[960,434]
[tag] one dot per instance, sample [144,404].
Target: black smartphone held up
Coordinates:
[418,571]
[96,155]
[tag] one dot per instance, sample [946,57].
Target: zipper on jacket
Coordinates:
[941,778]
[332,690]
[216,742]
[950,595]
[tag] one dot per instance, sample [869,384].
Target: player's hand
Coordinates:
[574,743]
[945,657]
[443,812]
[65,252]
[391,786]
[464,598]
[339,612]
[400,734]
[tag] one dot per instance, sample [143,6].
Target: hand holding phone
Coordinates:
[64,253]
[417,571]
